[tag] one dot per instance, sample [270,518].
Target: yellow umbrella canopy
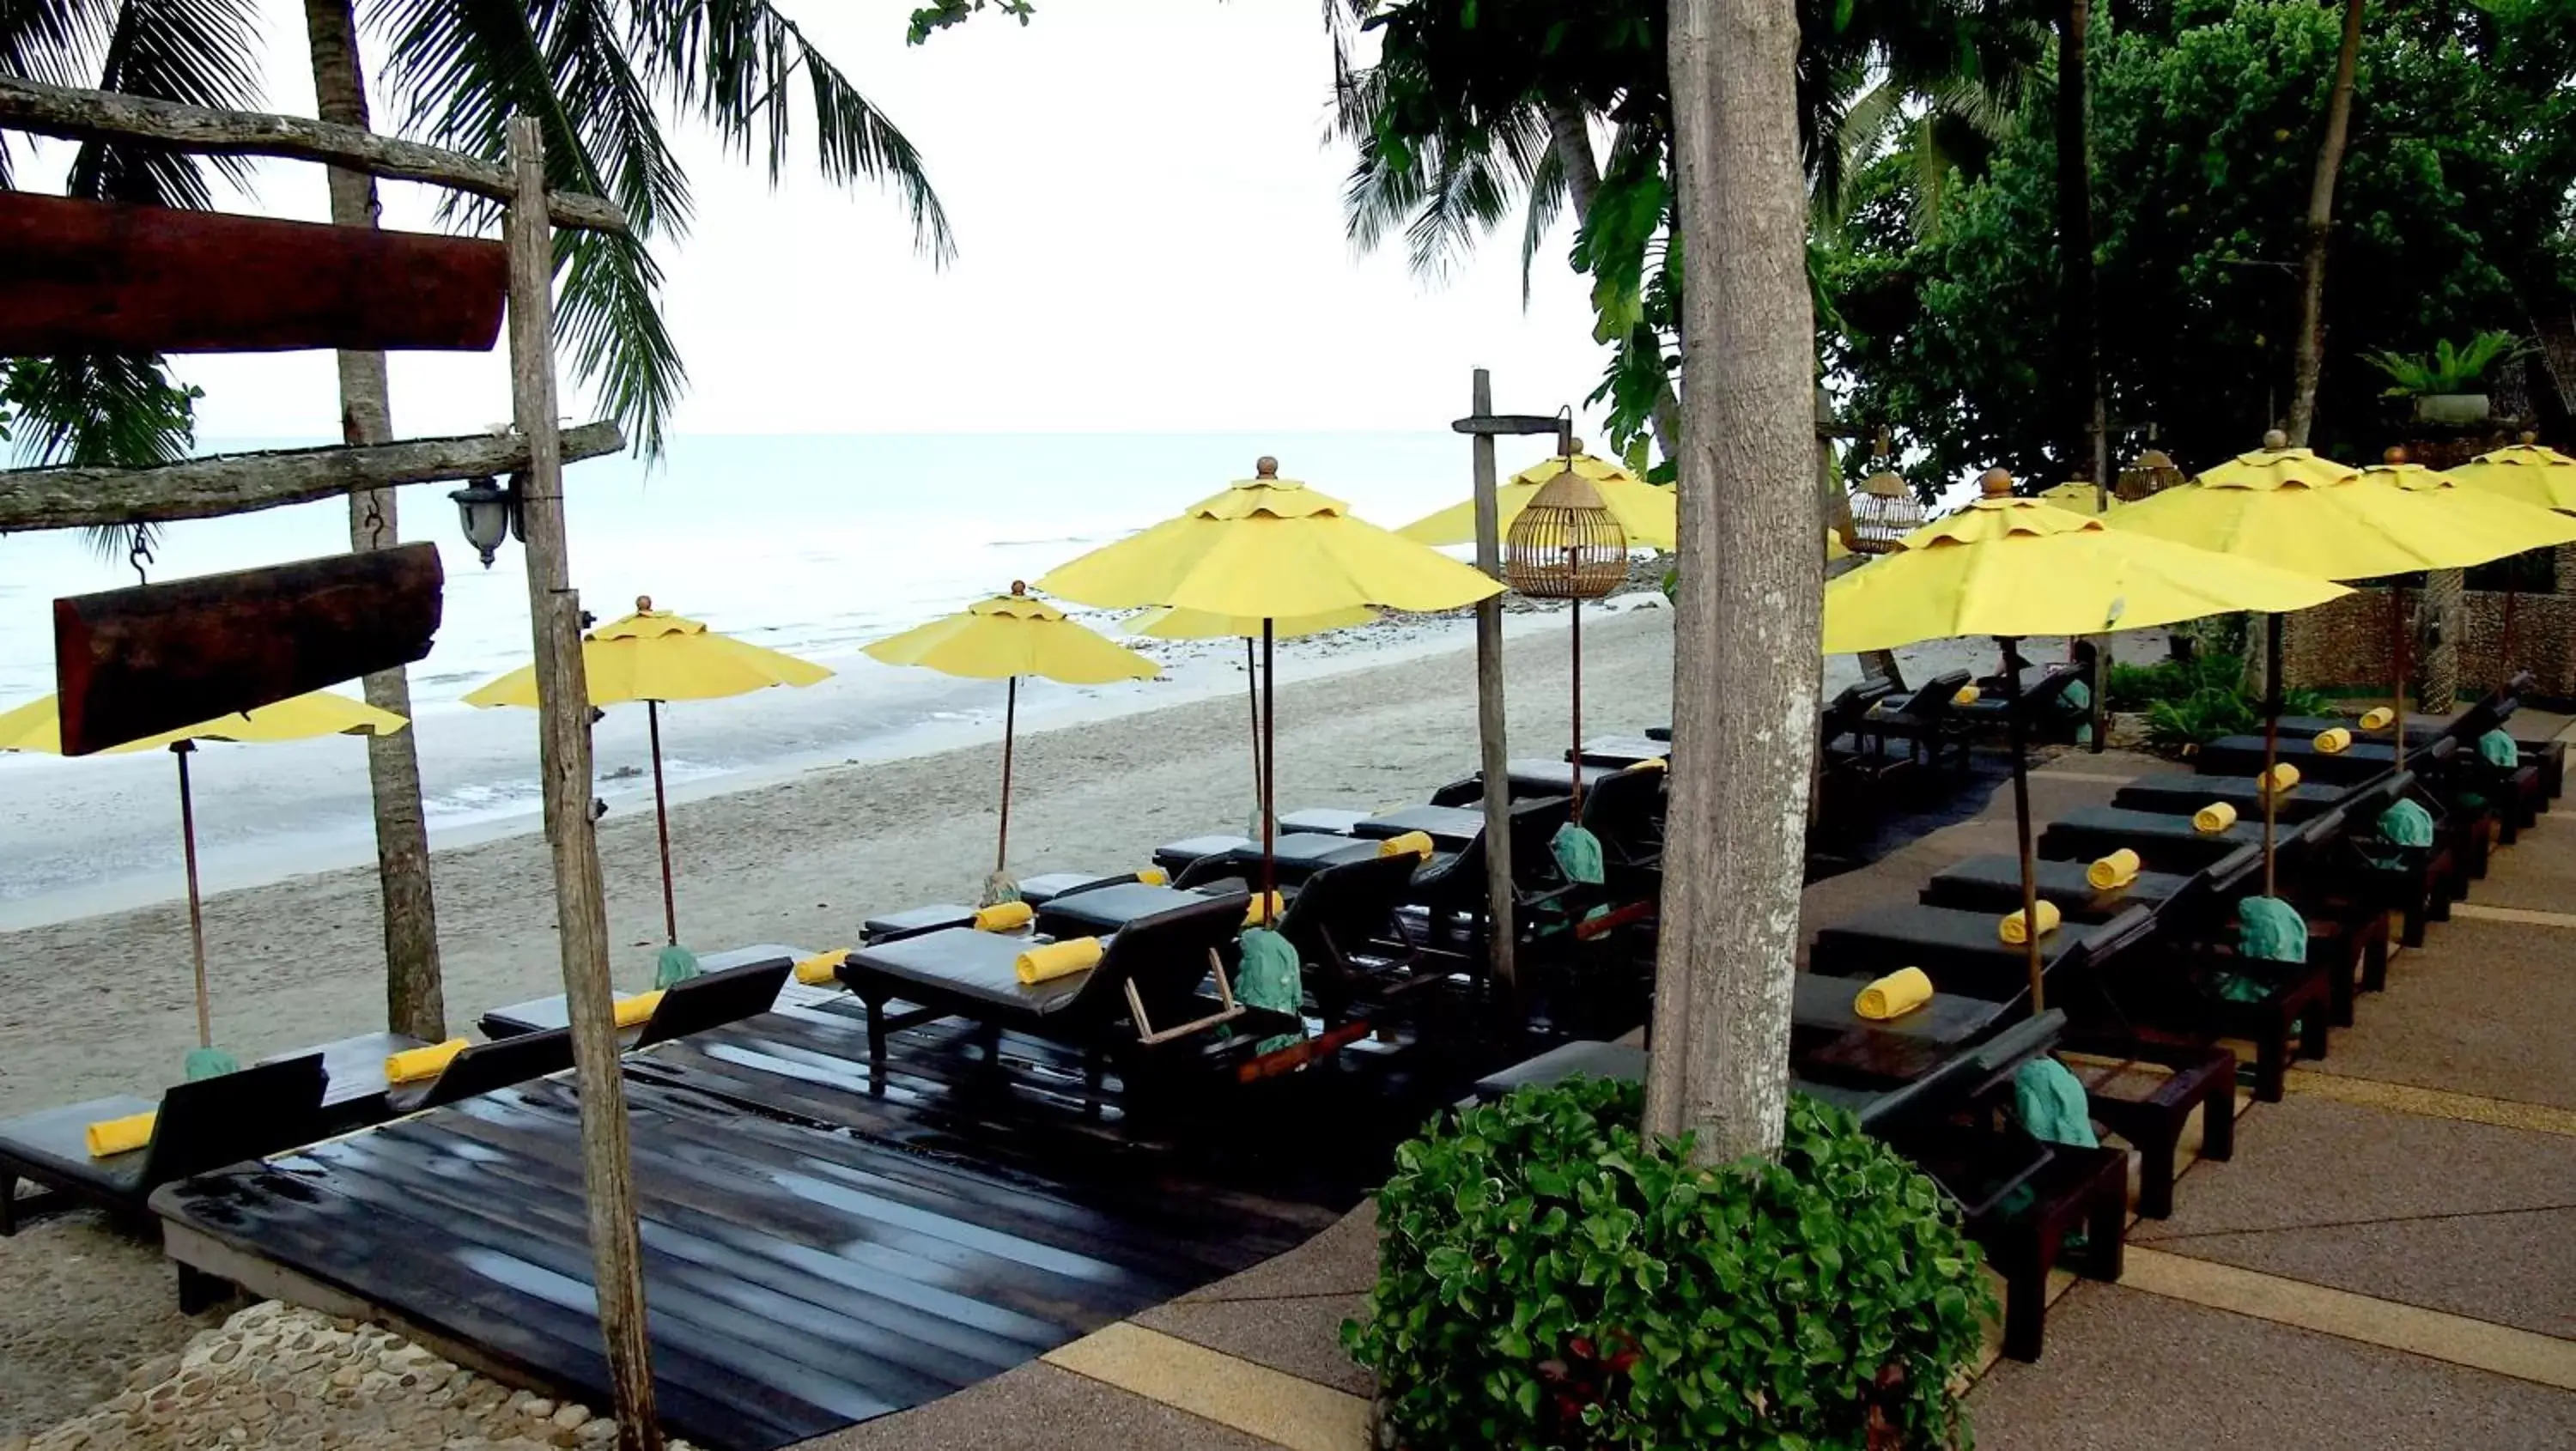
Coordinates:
[2013,566]
[37,726]
[655,656]
[2524,472]
[1004,638]
[1835,548]
[1165,622]
[1645,511]
[1268,548]
[2078,496]
[2010,567]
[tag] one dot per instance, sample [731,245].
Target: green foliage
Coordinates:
[2200,717]
[2194,702]
[2451,218]
[2136,687]
[1549,1279]
[931,19]
[2446,369]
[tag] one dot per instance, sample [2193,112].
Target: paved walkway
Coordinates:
[2389,1261]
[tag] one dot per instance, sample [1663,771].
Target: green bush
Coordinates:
[1548,1279]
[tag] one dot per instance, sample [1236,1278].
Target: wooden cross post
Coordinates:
[563,732]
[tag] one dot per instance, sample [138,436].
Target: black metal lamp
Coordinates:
[489,514]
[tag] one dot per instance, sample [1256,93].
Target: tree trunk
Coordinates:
[1570,132]
[2086,442]
[2312,286]
[1745,630]
[414,1002]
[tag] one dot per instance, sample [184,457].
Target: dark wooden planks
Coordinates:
[131,663]
[98,277]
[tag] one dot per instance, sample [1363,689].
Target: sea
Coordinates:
[812,544]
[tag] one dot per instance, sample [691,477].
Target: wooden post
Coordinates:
[1010,733]
[1494,757]
[563,726]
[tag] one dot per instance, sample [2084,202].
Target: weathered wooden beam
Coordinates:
[131,663]
[242,483]
[77,115]
[96,277]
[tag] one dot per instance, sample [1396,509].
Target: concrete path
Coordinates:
[2388,1262]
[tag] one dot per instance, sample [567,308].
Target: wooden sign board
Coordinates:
[86,277]
[135,662]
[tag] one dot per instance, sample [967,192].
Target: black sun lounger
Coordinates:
[1295,857]
[1992,884]
[2164,841]
[1617,753]
[1449,827]
[1529,777]
[1963,952]
[200,1126]
[359,1094]
[730,985]
[1110,909]
[2180,793]
[1143,992]
[1343,925]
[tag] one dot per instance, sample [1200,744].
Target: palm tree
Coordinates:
[600,76]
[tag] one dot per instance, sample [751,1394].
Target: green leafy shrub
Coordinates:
[2139,687]
[1547,1278]
[2446,369]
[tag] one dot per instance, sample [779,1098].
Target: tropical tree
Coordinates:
[2312,261]
[601,77]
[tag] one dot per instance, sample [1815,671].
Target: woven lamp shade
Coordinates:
[1566,544]
[1884,510]
[2151,473]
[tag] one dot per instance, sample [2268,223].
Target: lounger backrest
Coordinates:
[1935,696]
[248,1114]
[1342,907]
[1166,957]
[716,998]
[1621,806]
[1534,826]
[499,1064]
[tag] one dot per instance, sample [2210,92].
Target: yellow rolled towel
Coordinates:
[637,1010]
[1894,995]
[2378,718]
[1253,915]
[2213,819]
[2281,779]
[1004,917]
[2110,873]
[414,1064]
[1653,763]
[2332,741]
[2013,932]
[822,969]
[118,1135]
[1152,876]
[1418,843]
[1057,959]
[1965,695]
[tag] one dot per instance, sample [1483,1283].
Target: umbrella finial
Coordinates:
[1265,467]
[2274,440]
[1019,586]
[2396,455]
[643,604]
[2530,436]
[1573,446]
[1995,484]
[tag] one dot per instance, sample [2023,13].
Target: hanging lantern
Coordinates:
[1566,544]
[1884,509]
[2151,472]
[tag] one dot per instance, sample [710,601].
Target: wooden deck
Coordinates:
[815,1253]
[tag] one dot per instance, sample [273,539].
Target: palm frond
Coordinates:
[732,61]
[53,41]
[196,52]
[1546,201]
[99,410]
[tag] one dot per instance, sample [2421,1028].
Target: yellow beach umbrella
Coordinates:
[2496,510]
[1835,548]
[1004,638]
[37,726]
[2079,497]
[2013,567]
[1270,549]
[1645,511]
[2524,472]
[656,656]
[2287,507]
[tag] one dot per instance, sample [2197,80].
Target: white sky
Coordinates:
[1150,240]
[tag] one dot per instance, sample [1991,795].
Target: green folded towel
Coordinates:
[2499,751]
[210,1063]
[2076,699]
[1270,978]
[2406,823]
[2271,930]
[2050,1104]
[1578,855]
[674,965]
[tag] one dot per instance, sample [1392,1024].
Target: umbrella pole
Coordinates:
[1269,771]
[2400,666]
[2271,741]
[662,824]
[1577,756]
[1010,729]
[2021,825]
[196,917]
[1252,703]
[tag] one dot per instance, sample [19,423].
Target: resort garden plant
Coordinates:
[1548,1278]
